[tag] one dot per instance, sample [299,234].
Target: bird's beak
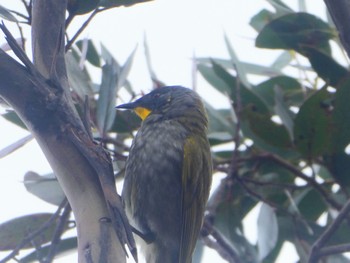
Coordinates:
[139,110]
[129,106]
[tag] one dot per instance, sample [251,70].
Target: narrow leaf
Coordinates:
[64,246]
[15,146]
[105,112]
[79,78]
[267,230]
[124,72]
[283,112]
[6,14]
[46,187]
[13,232]
[241,72]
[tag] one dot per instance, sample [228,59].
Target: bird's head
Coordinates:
[168,103]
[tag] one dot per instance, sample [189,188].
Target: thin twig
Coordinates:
[62,221]
[86,23]
[34,234]
[331,250]
[303,176]
[220,244]
[237,107]
[322,240]
[81,29]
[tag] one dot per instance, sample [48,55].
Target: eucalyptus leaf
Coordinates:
[80,7]
[241,72]
[12,116]
[13,232]
[118,3]
[267,230]
[15,146]
[6,14]
[91,52]
[46,187]
[283,111]
[105,111]
[296,31]
[65,245]
[313,125]
[79,78]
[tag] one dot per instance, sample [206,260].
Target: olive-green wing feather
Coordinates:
[196,181]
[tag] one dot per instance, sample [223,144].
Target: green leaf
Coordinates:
[341,116]
[64,246]
[267,230]
[313,125]
[220,120]
[262,18]
[294,31]
[262,126]
[241,72]
[228,217]
[79,7]
[79,78]
[214,80]
[15,230]
[325,66]
[113,78]
[339,166]
[125,69]
[46,187]
[293,93]
[280,7]
[250,68]
[117,3]
[282,60]
[6,14]
[247,96]
[306,201]
[282,110]
[15,146]
[12,116]
[105,112]
[90,50]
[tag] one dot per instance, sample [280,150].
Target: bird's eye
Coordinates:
[156,95]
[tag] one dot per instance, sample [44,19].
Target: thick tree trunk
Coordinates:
[40,96]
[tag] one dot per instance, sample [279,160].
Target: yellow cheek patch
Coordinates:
[142,112]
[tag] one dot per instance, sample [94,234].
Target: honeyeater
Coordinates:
[168,173]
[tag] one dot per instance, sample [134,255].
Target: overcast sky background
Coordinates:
[175,30]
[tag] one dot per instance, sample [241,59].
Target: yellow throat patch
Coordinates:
[142,112]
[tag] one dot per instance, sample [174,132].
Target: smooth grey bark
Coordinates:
[40,96]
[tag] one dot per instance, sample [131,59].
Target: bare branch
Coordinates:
[322,240]
[219,243]
[62,221]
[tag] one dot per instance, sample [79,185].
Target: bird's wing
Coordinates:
[196,180]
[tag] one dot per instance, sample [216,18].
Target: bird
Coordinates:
[168,173]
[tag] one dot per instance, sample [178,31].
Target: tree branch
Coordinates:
[303,176]
[322,240]
[36,233]
[220,244]
[340,13]
[62,221]
[40,96]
